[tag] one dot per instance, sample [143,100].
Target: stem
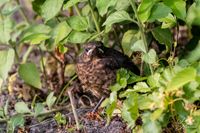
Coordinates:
[77,10]
[25,57]
[64,88]
[94,18]
[140,25]
[43,67]
[22,12]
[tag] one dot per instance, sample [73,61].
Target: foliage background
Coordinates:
[148,31]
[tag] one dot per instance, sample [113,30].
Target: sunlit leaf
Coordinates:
[139,46]
[78,37]
[77,23]
[116,17]
[6,61]
[178,7]
[36,38]
[61,31]
[144,9]
[181,78]
[127,41]
[21,107]
[51,8]
[103,5]
[5,30]
[150,57]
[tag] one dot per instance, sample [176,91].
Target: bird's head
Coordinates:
[91,50]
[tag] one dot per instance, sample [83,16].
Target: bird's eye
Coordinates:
[87,49]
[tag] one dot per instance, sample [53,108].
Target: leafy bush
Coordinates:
[168,88]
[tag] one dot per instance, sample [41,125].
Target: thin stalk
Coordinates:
[141,27]
[25,57]
[64,88]
[94,18]
[77,10]
[22,12]
[43,67]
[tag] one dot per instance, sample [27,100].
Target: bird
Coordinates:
[97,66]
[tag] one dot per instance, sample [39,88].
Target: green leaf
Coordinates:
[78,37]
[151,127]
[78,23]
[61,31]
[70,70]
[37,6]
[153,80]
[36,38]
[9,9]
[163,36]
[115,87]
[60,119]
[168,22]
[130,109]
[6,62]
[122,5]
[36,29]
[193,15]
[193,55]
[16,120]
[150,57]
[39,108]
[3,2]
[50,100]
[6,26]
[39,28]
[156,114]
[144,9]
[144,102]
[178,7]
[139,46]
[116,17]
[103,5]
[21,107]
[158,11]
[181,78]
[51,8]
[141,87]
[29,73]
[127,41]
[70,3]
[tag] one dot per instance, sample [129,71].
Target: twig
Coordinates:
[98,104]
[74,109]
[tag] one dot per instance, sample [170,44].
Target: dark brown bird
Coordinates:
[97,65]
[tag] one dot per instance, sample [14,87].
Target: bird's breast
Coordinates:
[95,77]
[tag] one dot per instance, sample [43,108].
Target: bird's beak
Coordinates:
[89,52]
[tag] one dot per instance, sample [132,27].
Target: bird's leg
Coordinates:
[98,104]
[73,108]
